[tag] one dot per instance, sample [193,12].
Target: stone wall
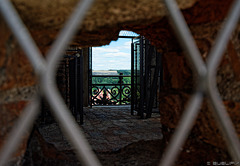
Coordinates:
[17,85]
[102,24]
[179,84]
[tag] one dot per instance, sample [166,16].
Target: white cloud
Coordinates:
[125,46]
[117,55]
[112,61]
[104,49]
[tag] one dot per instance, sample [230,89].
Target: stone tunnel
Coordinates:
[102,24]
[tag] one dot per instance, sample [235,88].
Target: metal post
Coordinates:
[147,71]
[66,80]
[72,84]
[153,89]
[136,105]
[120,82]
[137,77]
[81,87]
[141,79]
[132,78]
[90,77]
[76,99]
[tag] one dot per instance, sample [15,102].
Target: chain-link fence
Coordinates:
[46,70]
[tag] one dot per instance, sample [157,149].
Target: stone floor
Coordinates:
[108,129]
[118,139]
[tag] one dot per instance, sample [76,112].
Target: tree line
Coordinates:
[113,80]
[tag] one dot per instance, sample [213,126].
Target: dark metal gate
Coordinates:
[70,84]
[76,83]
[90,76]
[146,77]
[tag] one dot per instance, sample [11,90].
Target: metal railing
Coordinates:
[46,70]
[115,92]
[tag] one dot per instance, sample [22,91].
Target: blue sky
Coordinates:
[116,55]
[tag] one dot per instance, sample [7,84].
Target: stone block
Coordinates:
[205,128]
[8,116]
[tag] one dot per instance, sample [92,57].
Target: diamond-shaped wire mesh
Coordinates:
[45,69]
[206,75]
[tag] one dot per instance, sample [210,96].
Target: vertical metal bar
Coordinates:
[68,81]
[72,84]
[90,98]
[76,89]
[141,79]
[160,78]
[153,89]
[132,78]
[81,87]
[65,79]
[121,89]
[157,55]
[147,71]
[136,103]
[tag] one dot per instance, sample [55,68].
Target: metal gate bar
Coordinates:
[145,77]
[141,79]
[132,79]
[80,83]
[90,77]
[73,59]
[153,90]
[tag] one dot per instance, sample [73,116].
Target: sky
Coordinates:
[115,56]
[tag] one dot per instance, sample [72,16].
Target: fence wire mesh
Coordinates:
[206,75]
[46,70]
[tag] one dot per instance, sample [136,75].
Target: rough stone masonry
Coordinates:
[106,18]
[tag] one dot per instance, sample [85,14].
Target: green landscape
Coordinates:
[112,79]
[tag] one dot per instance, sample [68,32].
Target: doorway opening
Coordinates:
[126,72]
[110,72]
